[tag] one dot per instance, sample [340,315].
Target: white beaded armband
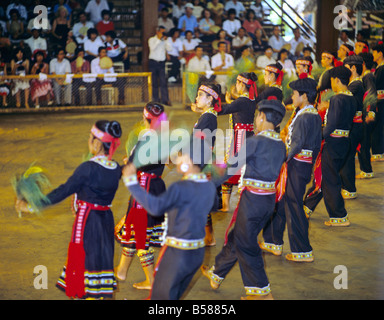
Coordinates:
[130,181]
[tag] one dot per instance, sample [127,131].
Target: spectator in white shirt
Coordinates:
[94,9]
[237,5]
[165,21]
[222,61]
[92,44]
[199,63]
[242,39]
[174,55]
[178,9]
[158,47]
[189,45]
[288,66]
[231,25]
[81,28]
[265,59]
[276,41]
[344,39]
[61,66]
[19,7]
[117,50]
[42,24]
[36,43]
[97,69]
[296,40]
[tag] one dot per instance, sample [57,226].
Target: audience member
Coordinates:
[41,87]
[92,44]
[207,26]
[81,66]
[197,8]
[237,6]
[4,84]
[62,3]
[251,24]
[15,26]
[231,25]
[174,55]
[242,39]
[188,22]
[189,45]
[259,44]
[165,21]
[246,61]
[217,9]
[344,39]
[221,37]
[297,43]
[117,50]
[258,9]
[276,41]
[60,27]
[61,66]
[15,4]
[178,9]
[199,63]
[265,59]
[81,28]
[94,8]
[20,67]
[105,24]
[287,64]
[222,61]
[36,43]
[44,25]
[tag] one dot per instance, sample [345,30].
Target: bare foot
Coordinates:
[145,285]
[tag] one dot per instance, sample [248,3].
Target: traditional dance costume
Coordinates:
[338,123]
[370,109]
[265,154]
[89,269]
[378,135]
[303,144]
[348,172]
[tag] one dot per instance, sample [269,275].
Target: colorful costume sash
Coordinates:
[75,268]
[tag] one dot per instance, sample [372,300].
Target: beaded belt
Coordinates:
[338,133]
[358,118]
[92,206]
[244,126]
[184,244]
[259,187]
[304,156]
[380,94]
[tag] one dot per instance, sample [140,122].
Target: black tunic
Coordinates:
[208,121]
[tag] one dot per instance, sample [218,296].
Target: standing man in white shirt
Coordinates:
[222,61]
[61,66]
[94,8]
[158,47]
[276,41]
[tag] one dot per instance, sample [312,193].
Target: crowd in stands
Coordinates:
[226,32]
[65,42]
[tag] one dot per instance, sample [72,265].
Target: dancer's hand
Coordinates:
[21,206]
[129,170]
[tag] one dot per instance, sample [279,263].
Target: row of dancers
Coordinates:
[318,143]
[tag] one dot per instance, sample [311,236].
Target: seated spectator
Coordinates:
[246,61]
[199,63]
[92,44]
[60,27]
[63,3]
[97,67]
[258,9]
[251,24]
[36,43]
[117,50]
[178,9]
[297,43]
[105,25]
[70,46]
[231,25]
[242,39]
[222,61]
[344,39]
[189,45]
[4,84]
[221,37]
[15,27]
[265,59]
[237,6]
[15,4]
[276,41]
[174,55]
[43,25]
[20,67]
[207,26]
[259,44]
[217,9]
[165,21]
[61,66]
[188,22]
[94,8]
[81,66]
[198,8]
[81,28]
[288,66]
[40,87]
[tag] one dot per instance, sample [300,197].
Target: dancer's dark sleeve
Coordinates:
[73,184]
[234,107]
[156,205]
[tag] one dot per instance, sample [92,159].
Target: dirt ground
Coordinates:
[58,142]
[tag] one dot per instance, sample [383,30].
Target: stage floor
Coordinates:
[58,142]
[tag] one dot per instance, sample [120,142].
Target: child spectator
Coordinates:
[105,25]
[20,67]
[40,87]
